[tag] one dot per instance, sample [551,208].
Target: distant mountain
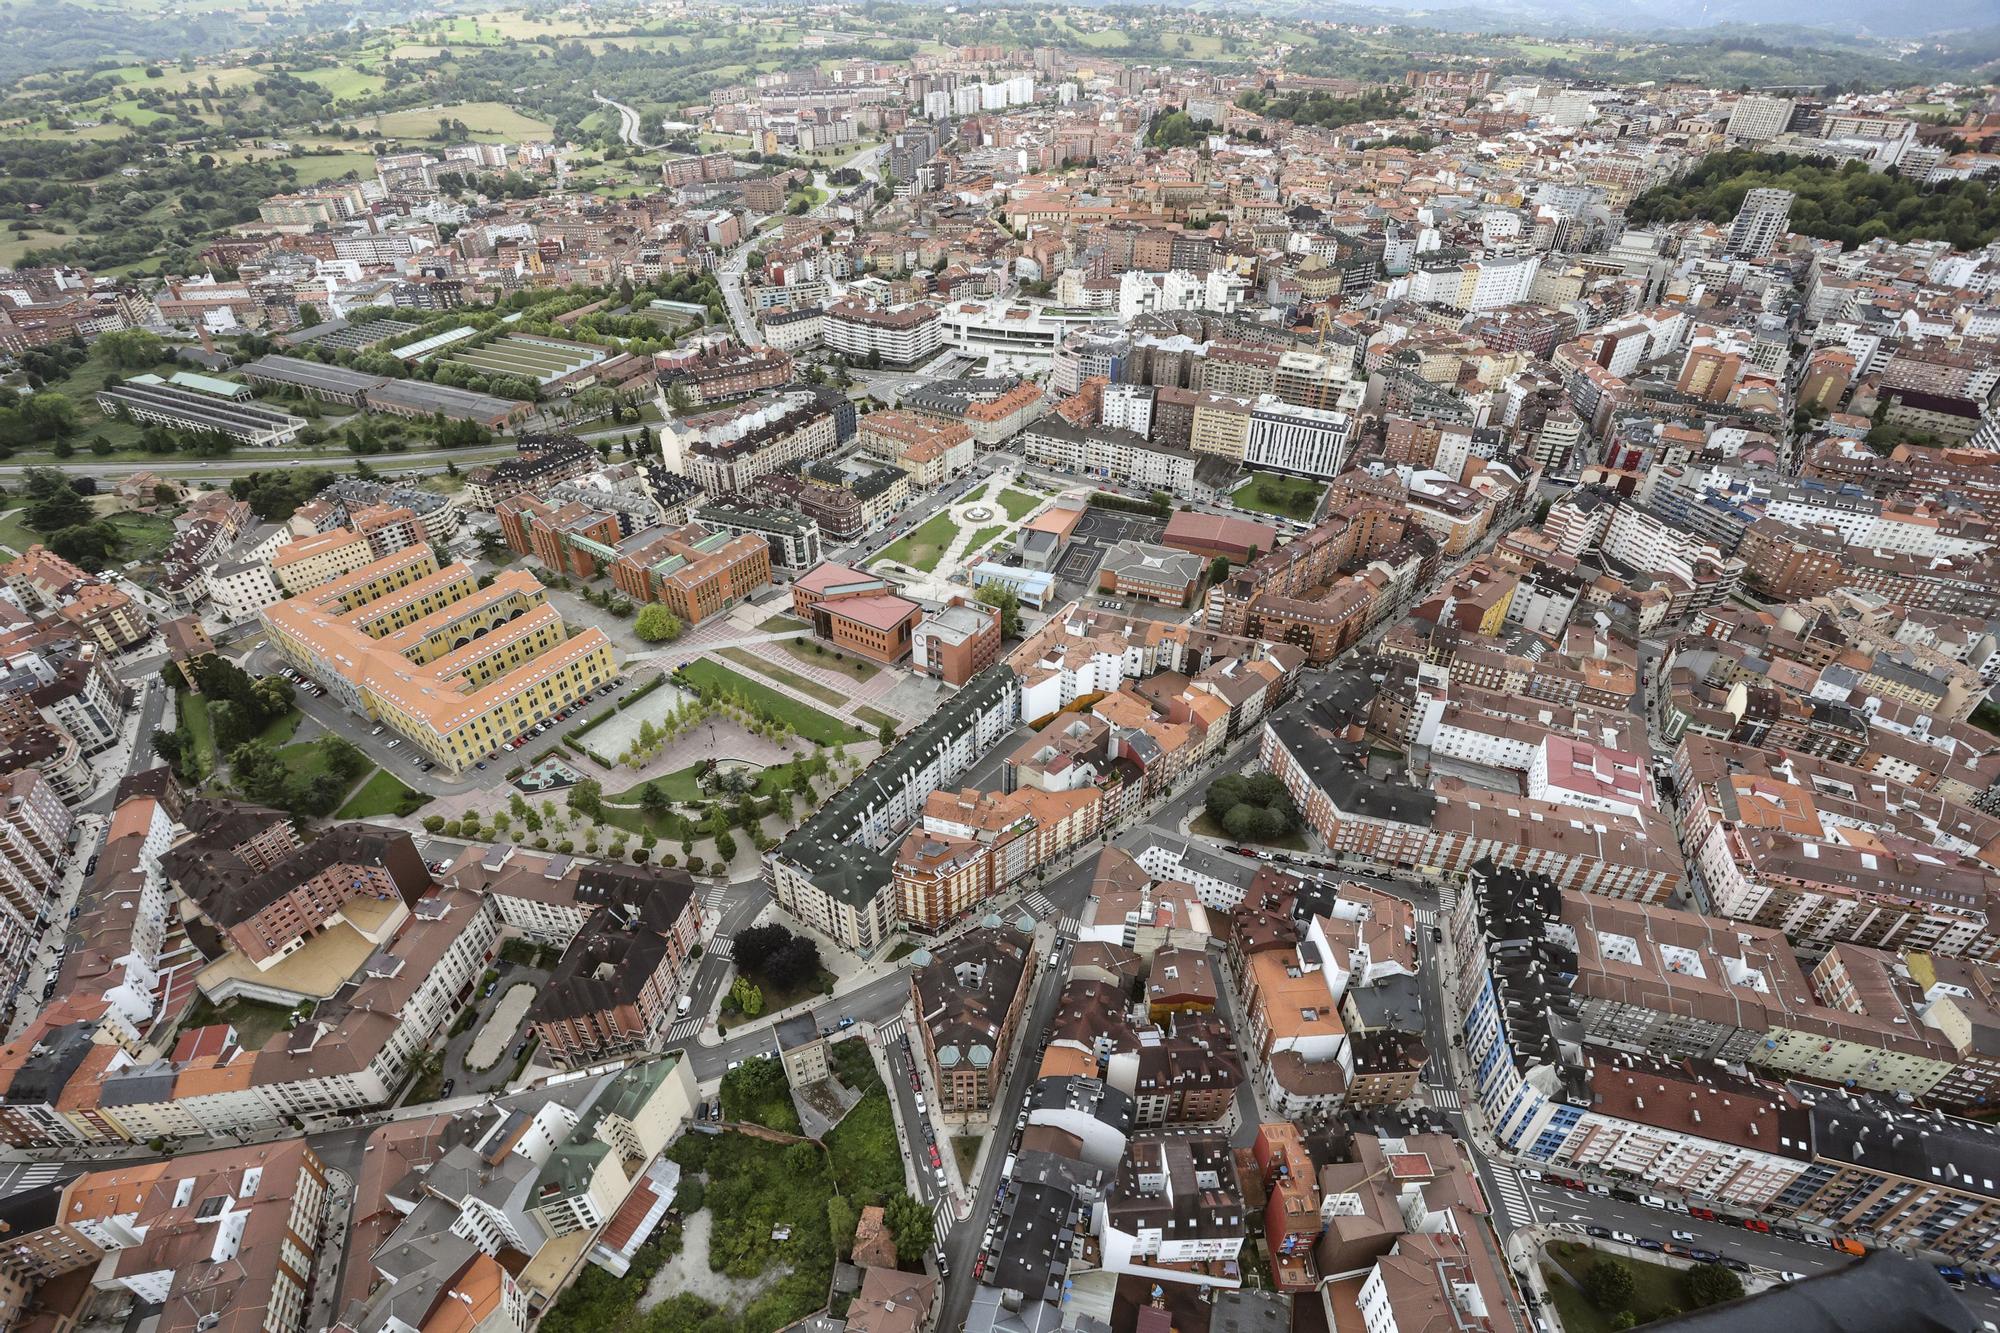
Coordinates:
[1868,18]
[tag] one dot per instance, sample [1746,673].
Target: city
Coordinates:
[881,669]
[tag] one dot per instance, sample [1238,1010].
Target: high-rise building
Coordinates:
[1759,223]
[1756,118]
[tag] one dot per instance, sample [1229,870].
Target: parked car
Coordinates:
[1952,1273]
[1687,1237]
[1624,1238]
[1705,1214]
[1734,1264]
[1599,1232]
[1648,1243]
[445,1091]
[1789,1276]
[1652,1201]
[1756,1224]
[1705,1256]
[1849,1245]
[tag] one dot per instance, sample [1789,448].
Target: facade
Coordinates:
[457,669]
[969,998]
[614,992]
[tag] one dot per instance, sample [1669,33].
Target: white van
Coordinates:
[681,1006]
[1007,1168]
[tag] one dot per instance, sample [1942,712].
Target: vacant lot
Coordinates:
[490,121]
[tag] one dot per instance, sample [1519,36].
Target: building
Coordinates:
[614,992]
[1174,1213]
[969,996]
[693,572]
[793,539]
[307,562]
[455,668]
[892,335]
[1759,224]
[856,613]
[717,372]
[150,400]
[1237,540]
[957,641]
[1150,573]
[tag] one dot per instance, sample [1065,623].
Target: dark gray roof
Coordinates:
[1883,1293]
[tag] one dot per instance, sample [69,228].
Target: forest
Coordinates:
[1845,203]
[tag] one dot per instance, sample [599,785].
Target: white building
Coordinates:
[1309,441]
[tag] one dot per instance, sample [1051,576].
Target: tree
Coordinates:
[756,944]
[1624,1319]
[1710,1284]
[653,799]
[886,733]
[260,773]
[165,493]
[132,349]
[90,545]
[1001,596]
[167,745]
[656,624]
[910,1223]
[62,509]
[795,964]
[749,999]
[1608,1285]
[841,1220]
[52,415]
[725,847]
[1218,569]
[587,798]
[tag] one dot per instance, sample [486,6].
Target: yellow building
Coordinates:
[457,669]
[311,561]
[1220,425]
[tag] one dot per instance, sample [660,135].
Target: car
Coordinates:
[91,867]
[480,764]
[1244,851]
[844,1024]
[978,1266]
[445,1091]
[936,1158]
[930,1135]
[735,1064]
[428,766]
[1529,1173]
[1652,1201]
[1648,1243]
[1756,1224]
[939,1173]
[1624,1238]
[944,1268]
[1705,1256]
[1599,1232]
[1789,1276]
[1437,935]
[1624,1196]
[1952,1273]
[1849,1245]
[379,729]
[1598,1190]
[1734,1264]
[1705,1214]
[1788,1233]
[1987,1278]
[393,744]
[1685,1237]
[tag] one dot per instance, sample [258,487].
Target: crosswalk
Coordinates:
[684,1030]
[1424,916]
[1038,902]
[723,947]
[891,1029]
[941,1224]
[1069,927]
[1444,1099]
[1447,898]
[35,1175]
[712,899]
[1513,1198]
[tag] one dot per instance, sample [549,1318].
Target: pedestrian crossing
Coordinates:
[35,1175]
[712,899]
[684,1030]
[1424,916]
[890,1029]
[723,947]
[1444,1099]
[1038,902]
[1514,1199]
[1069,927]
[941,1224]
[1447,898]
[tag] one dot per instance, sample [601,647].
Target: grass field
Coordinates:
[871,717]
[15,534]
[15,244]
[255,1023]
[811,724]
[1288,497]
[312,170]
[847,665]
[1019,504]
[981,537]
[922,548]
[146,535]
[193,710]
[345,81]
[383,794]
[743,657]
[487,121]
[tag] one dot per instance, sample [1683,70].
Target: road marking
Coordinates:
[1424,916]
[1038,903]
[889,1029]
[1513,1198]
[941,1224]
[1444,1099]
[684,1030]
[712,900]
[723,947]
[1069,927]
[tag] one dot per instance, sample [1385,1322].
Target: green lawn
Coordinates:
[383,794]
[743,657]
[1656,1288]
[15,534]
[684,785]
[193,712]
[981,537]
[345,81]
[1018,504]
[965,1147]
[317,168]
[845,663]
[810,724]
[924,547]
[1288,497]
[280,730]
[863,713]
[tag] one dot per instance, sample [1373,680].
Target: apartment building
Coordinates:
[726,451]
[457,669]
[892,335]
[307,562]
[695,573]
[614,991]
[969,1000]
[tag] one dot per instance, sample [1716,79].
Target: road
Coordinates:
[247,461]
[629,121]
